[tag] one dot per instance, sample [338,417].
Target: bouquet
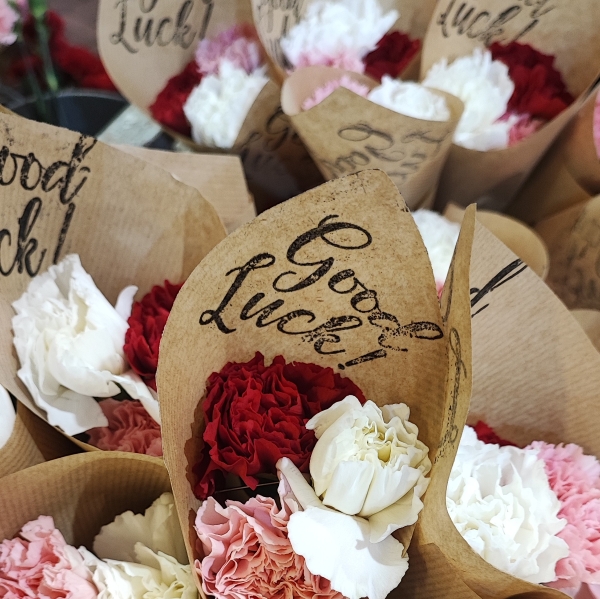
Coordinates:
[521,82]
[308,286]
[70,330]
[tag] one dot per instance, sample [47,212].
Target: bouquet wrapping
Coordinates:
[317,291]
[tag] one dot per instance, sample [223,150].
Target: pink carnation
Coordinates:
[346,59]
[523,128]
[597,125]
[8,19]
[575,478]
[326,90]
[238,45]
[40,564]
[248,553]
[130,428]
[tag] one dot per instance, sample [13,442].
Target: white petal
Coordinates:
[125,301]
[337,547]
[323,420]
[158,529]
[349,486]
[388,486]
[7,417]
[133,385]
[301,489]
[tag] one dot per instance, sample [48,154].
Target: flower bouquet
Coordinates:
[92,525]
[341,305]
[522,72]
[199,70]
[535,378]
[81,230]
[350,123]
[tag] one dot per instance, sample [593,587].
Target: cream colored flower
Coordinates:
[369,462]
[69,340]
[7,417]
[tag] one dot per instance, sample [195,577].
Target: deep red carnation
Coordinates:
[392,55]
[487,434]
[539,88]
[146,326]
[168,106]
[256,414]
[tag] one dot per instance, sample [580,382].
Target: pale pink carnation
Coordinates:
[523,128]
[326,90]
[238,45]
[575,478]
[130,428]
[39,563]
[346,59]
[248,553]
[596,126]
[8,19]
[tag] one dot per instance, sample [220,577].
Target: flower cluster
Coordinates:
[369,472]
[351,35]
[508,91]
[210,99]
[74,347]
[137,556]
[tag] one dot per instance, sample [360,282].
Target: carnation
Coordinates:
[326,90]
[485,87]
[393,54]
[39,563]
[130,428]
[8,20]
[410,99]
[439,236]
[218,107]
[256,414]
[575,478]
[500,501]
[7,417]
[337,33]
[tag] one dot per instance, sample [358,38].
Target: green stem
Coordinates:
[38,9]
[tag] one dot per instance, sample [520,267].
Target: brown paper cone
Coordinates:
[573,243]
[519,238]
[274,20]
[395,277]
[589,320]
[63,193]
[566,30]
[20,451]
[81,492]
[347,133]
[220,180]
[276,163]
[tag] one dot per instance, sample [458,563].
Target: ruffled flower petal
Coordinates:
[337,33]
[410,99]
[7,416]
[8,20]
[218,107]
[326,90]
[157,529]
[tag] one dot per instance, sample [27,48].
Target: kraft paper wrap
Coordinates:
[535,377]
[140,62]
[519,238]
[568,174]
[273,20]
[220,180]
[565,29]
[589,320]
[407,343]
[81,492]
[130,222]
[347,133]
[573,239]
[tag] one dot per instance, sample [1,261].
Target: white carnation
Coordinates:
[69,340]
[218,106]
[410,99]
[334,28]
[485,88]
[439,236]
[7,417]
[500,500]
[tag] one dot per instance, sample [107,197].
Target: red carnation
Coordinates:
[539,88]
[392,55]
[146,325]
[168,106]
[256,415]
[487,434]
